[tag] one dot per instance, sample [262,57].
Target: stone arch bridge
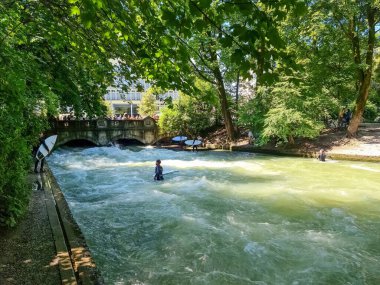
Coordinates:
[103,132]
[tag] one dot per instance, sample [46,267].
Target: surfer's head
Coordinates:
[158,162]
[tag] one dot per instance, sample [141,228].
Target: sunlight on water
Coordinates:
[224,218]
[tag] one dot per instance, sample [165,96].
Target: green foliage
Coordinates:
[251,114]
[47,61]
[58,54]
[287,124]
[370,112]
[19,128]
[24,102]
[190,115]
[325,79]
[170,43]
[284,112]
[325,54]
[108,107]
[170,121]
[351,26]
[148,105]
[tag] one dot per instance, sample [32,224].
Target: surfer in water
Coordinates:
[322,155]
[158,172]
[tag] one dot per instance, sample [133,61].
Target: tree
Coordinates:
[191,114]
[291,114]
[284,111]
[148,105]
[357,20]
[363,22]
[325,78]
[47,60]
[168,42]
[228,37]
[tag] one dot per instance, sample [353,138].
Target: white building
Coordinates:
[127,102]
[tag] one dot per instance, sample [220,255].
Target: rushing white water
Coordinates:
[224,218]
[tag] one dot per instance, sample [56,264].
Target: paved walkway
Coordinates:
[47,246]
[28,254]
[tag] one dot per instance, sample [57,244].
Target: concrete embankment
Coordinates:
[76,264]
[310,154]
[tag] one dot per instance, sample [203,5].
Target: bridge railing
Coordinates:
[90,125]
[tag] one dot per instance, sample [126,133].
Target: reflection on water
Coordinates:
[224,218]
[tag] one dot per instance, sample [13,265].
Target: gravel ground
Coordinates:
[366,144]
[27,252]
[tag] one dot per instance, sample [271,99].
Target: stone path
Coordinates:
[28,253]
[47,246]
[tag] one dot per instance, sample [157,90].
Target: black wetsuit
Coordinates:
[322,157]
[158,173]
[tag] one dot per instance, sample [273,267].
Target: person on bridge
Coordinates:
[158,172]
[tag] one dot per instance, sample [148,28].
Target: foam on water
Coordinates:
[362,167]
[255,249]
[223,218]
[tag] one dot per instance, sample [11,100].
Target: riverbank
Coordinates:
[365,147]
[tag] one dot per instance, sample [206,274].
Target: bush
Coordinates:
[191,114]
[287,124]
[14,164]
[187,116]
[370,112]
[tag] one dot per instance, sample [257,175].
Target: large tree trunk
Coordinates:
[364,76]
[360,105]
[237,89]
[222,94]
[224,105]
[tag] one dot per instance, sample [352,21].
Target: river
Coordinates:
[223,217]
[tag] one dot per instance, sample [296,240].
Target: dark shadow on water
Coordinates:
[80,143]
[130,144]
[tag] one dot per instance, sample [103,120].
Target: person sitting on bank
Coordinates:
[347,117]
[322,155]
[251,138]
[341,118]
[158,172]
